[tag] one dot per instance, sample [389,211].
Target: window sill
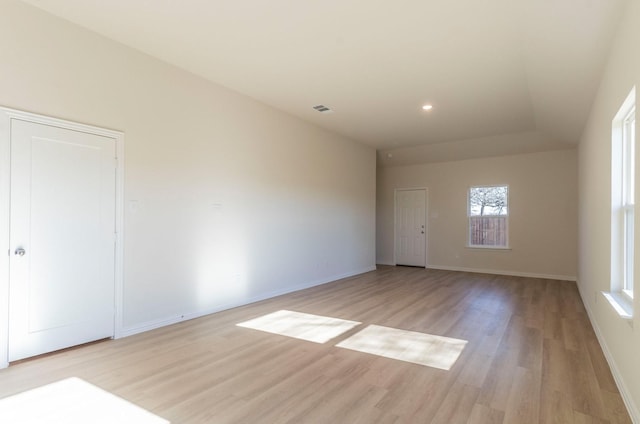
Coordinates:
[621,304]
[488,247]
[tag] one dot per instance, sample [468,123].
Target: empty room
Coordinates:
[319,212]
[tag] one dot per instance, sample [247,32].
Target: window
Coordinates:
[623,197]
[628,203]
[488,216]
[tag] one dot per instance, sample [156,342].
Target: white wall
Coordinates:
[227,200]
[620,340]
[542,212]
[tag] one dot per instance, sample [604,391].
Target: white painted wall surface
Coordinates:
[621,341]
[227,200]
[542,212]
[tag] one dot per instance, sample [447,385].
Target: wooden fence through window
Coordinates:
[488,230]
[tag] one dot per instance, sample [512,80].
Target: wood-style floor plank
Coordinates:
[531,357]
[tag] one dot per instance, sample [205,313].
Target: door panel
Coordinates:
[63,216]
[411,227]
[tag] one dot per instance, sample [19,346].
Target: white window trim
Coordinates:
[620,304]
[629,197]
[468,244]
[623,156]
[482,247]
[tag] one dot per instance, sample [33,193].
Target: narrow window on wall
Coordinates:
[623,198]
[629,129]
[488,211]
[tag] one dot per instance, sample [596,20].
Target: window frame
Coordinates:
[469,243]
[628,200]
[623,187]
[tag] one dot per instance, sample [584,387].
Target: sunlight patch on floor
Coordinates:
[312,328]
[72,401]
[409,346]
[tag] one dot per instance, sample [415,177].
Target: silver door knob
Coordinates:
[20,251]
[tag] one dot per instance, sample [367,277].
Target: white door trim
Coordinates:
[6,115]
[426,221]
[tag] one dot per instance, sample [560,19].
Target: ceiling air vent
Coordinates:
[322,109]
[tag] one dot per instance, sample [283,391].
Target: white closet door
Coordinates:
[61,286]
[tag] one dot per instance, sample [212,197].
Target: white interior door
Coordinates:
[411,230]
[62,224]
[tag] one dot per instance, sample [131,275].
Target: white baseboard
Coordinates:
[501,272]
[632,408]
[152,325]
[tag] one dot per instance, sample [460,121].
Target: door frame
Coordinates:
[6,115]
[426,221]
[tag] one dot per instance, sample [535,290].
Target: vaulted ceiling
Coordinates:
[503,76]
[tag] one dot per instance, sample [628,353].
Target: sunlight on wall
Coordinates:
[312,328]
[409,346]
[72,401]
[223,272]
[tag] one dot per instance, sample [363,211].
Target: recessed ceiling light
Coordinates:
[427,107]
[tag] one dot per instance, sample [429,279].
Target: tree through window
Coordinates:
[488,216]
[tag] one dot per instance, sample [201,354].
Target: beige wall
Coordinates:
[542,212]
[235,200]
[621,341]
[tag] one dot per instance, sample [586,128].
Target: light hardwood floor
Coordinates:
[531,357]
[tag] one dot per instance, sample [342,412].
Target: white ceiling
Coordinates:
[503,75]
